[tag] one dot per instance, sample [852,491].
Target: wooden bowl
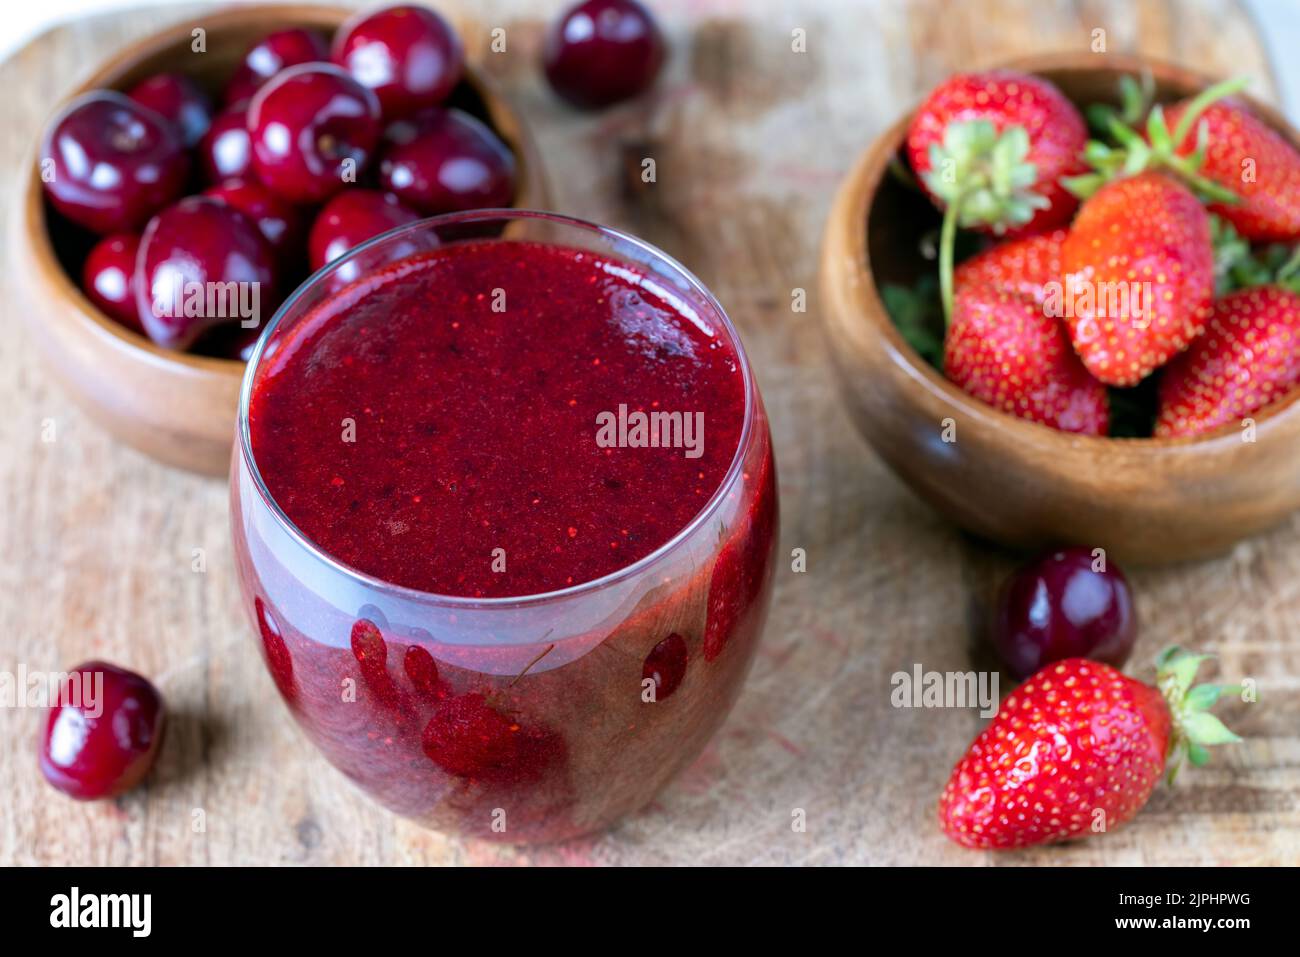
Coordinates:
[176,407]
[1016,482]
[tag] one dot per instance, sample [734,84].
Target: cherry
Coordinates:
[666,666]
[603,51]
[422,670]
[108,278]
[371,652]
[472,737]
[179,100]
[202,264]
[103,734]
[408,55]
[349,219]
[108,163]
[279,221]
[313,129]
[225,152]
[271,54]
[278,659]
[1060,606]
[453,163]
[729,588]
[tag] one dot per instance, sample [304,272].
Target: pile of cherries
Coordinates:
[316,147]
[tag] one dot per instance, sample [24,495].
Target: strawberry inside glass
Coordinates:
[486,596]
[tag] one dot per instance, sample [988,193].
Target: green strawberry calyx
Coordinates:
[1194,730]
[984,178]
[1238,265]
[1131,153]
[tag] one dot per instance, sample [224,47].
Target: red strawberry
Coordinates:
[1005,99]
[1139,276]
[1078,748]
[1004,348]
[1246,156]
[1248,358]
[991,149]
[1024,267]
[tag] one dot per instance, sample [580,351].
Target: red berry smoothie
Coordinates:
[489,599]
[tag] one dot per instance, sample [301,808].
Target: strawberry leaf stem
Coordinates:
[1203,101]
[1289,274]
[1159,149]
[947,240]
[1194,728]
[983,177]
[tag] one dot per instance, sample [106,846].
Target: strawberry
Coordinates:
[1056,135]
[1248,358]
[1246,156]
[990,148]
[1077,748]
[1245,170]
[1024,267]
[1004,348]
[1139,276]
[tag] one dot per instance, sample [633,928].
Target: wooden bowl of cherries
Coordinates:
[197,178]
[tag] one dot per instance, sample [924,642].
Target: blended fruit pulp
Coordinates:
[435,425]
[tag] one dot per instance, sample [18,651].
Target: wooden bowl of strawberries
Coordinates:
[198,176]
[1063,300]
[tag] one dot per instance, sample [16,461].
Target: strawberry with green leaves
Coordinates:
[991,148]
[1139,276]
[1004,346]
[1251,159]
[1242,167]
[1248,358]
[1079,748]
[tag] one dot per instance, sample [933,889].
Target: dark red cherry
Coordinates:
[1064,604]
[203,264]
[108,163]
[271,54]
[728,599]
[177,98]
[103,733]
[665,666]
[453,163]
[225,152]
[278,659]
[313,130]
[349,219]
[108,278]
[473,736]
[279,221]
[422,671]
[603,51]
[407,54]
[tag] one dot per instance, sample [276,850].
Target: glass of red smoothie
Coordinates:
[504,512]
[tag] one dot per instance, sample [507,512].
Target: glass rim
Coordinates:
[249,461]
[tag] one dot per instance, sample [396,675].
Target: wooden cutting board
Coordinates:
[750,140]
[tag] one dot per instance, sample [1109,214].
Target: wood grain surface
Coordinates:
[100,545]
